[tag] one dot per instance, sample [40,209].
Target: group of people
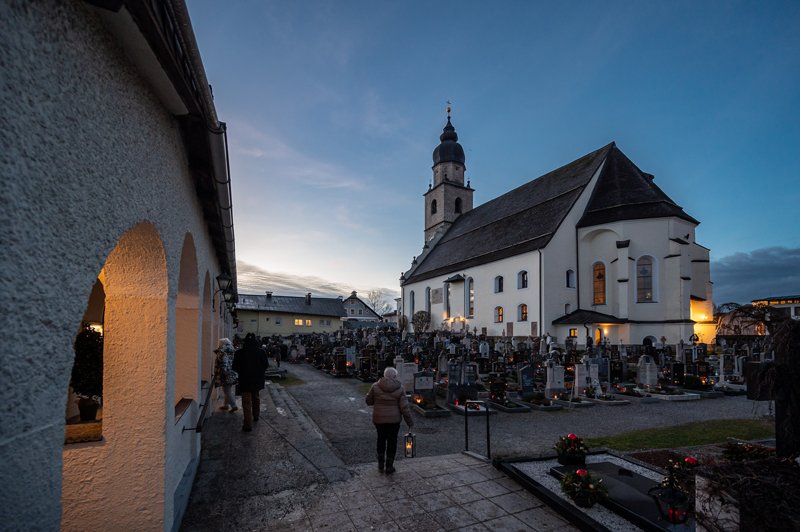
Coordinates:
[244,369]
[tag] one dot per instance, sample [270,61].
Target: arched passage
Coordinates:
[208,342]
[187,367]
[119,481]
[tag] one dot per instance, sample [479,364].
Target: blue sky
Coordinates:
[333,110]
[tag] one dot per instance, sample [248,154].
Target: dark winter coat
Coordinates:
[250,362]
[388,398]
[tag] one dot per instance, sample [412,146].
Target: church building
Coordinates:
[593,250]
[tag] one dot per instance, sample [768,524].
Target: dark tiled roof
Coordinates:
[320,306]
[623,192]
[579,317]
[521,220]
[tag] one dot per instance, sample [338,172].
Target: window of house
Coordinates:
[498,314]
[644,280]
[522,312]
[573,333]
[599,283]
[298,322]
[498,284]
[522,279]
[322,323]
[361,312]
[796,311]
[458,205]
[308,323]
[570,278]
[433,207]
[470,297]
[277,321]
[567,308]
[352,312]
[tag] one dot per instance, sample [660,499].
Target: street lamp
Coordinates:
[224,282]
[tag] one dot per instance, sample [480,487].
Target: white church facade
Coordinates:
[594,249]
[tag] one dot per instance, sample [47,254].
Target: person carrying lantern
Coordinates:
[388,399]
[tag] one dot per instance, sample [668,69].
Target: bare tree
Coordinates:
[376,299]
[421,321]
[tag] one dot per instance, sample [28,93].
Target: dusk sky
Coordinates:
[334,108]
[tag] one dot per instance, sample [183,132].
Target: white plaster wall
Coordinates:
[485,298]
[88,153]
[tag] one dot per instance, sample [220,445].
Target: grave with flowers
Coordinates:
[602,490]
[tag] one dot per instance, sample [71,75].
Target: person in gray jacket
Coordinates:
[388,399]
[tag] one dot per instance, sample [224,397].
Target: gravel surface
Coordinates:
[337,407]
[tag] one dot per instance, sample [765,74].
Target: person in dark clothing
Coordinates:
[250,362]
[388,398]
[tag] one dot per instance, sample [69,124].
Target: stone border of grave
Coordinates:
[610,402]
[459,409]
[534,475]
[685,396]
[583,403]
[544,408]
[519,409]
[430,413]
[705,394]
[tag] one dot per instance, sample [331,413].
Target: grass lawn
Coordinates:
[697,433]
[290,380]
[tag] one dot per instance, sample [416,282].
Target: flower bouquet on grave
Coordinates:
[674,497]
[571,450]
[583,489]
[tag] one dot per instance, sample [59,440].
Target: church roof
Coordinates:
[623,192]
[581,316]
[521,220]
[316,306]
[526,218]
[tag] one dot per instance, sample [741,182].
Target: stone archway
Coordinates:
[187,316]
[119,482]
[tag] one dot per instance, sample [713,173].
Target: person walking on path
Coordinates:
[388,398]
[224,375]
[250,362]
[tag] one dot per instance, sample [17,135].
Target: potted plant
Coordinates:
[584,490]
[571,450]
[87,372]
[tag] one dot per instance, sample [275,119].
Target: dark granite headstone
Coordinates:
[525,379]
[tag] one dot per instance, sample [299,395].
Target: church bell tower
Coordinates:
[448,197]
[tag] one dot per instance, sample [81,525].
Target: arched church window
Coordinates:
[498,284]
[599,283]
[428,299]
[644,280]
[522,312]
[522,279]
[411,302]
[498,314]
[433,207]
[458,205]
[570,278]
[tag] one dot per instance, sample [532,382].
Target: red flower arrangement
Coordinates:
[584,490]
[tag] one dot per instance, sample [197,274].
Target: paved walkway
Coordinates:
[285,476]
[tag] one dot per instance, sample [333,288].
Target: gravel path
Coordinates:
[337,407]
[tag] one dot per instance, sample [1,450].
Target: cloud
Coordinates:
[281,160]
[767,272]
[252,279]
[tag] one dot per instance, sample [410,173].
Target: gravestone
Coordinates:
[603,370]
[586,374]
[647,374]
[616,371]
[423,386]
[406,374]
[525,379]
[442,363]
[555,379]
[677,372]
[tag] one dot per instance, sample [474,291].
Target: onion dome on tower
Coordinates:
[449,150]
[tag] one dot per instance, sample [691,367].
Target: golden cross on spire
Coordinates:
[448,109]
